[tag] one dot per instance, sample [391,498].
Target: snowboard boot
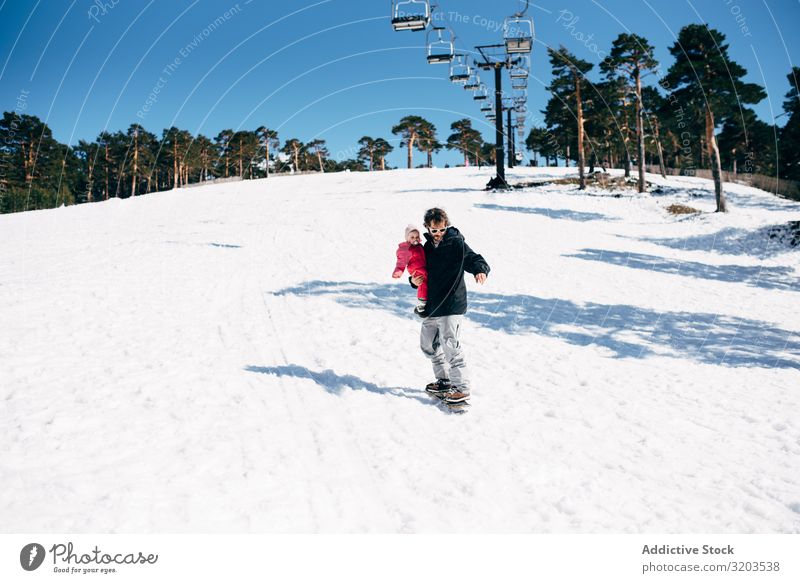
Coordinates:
[454,395]
[438,388]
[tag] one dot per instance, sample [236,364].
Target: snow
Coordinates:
[237,358]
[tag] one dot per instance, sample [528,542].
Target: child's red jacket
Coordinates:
[411,257]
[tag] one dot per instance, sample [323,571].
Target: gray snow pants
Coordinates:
[439,341]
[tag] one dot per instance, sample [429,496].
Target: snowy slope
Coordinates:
[237,358]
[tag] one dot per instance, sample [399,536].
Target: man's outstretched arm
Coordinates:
[475,264]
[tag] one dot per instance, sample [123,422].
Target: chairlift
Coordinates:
[411,14]
[440,49]
[518,32]
[460,70]
[487,106]
[473,83]
[521,68]
[481,93]
[519,83]
[518,156]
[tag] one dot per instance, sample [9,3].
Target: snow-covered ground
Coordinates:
[237,358]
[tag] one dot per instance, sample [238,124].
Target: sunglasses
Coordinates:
[434,231]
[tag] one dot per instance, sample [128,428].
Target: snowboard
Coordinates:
[462,407]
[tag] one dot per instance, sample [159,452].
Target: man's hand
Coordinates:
[480,278]
[417,280]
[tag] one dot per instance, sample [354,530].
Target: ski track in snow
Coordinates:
[237,358]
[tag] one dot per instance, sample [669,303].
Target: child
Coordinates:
[411,255]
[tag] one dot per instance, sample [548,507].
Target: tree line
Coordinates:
[694,116]
[36,171]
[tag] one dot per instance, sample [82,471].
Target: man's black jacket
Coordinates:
[446,264]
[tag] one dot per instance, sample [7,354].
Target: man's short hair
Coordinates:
[436,215]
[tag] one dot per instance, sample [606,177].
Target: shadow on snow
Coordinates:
[551,213]
[760,243]
[757,276]
[627,331]
[335,384]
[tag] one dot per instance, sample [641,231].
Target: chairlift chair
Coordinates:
[518,33]
[411,14]
[481,93]
[519,83]
[473,83]
[522,68]
[460,70]
[440,49]
[487,106]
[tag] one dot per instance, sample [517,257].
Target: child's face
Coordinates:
[413,237]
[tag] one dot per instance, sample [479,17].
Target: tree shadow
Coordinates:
[440,190]
[563,214]
[626,331]
[760,242]
[743,200]
[335,384]
[756,276]
[225,245]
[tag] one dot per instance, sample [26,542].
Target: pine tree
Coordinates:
[317,149]
[269,139]
[747,144]
[382,149]
[223,141]
[568,79]
[540,142]
[652,104]
[790,134]
[412,129]
[206,154]
[142,144]
[705,78]
[632,55]
[429,141]
[294,147]
[465,139]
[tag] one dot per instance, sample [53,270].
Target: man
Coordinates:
[447,256]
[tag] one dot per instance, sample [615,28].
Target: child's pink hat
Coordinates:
[409,229]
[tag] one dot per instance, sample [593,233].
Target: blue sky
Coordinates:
[329,69]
